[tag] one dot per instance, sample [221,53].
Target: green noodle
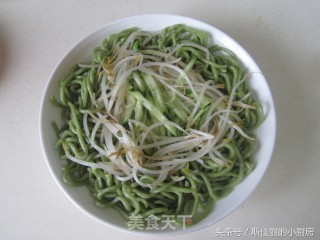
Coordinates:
[148,101]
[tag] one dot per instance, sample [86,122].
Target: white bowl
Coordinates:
[152,22]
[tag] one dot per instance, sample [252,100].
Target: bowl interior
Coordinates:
[80,52]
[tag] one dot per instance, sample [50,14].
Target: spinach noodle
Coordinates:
[158,123]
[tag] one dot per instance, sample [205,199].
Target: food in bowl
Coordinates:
[194,188]
[158,123]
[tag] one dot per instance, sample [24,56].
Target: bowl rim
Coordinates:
[114,226]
